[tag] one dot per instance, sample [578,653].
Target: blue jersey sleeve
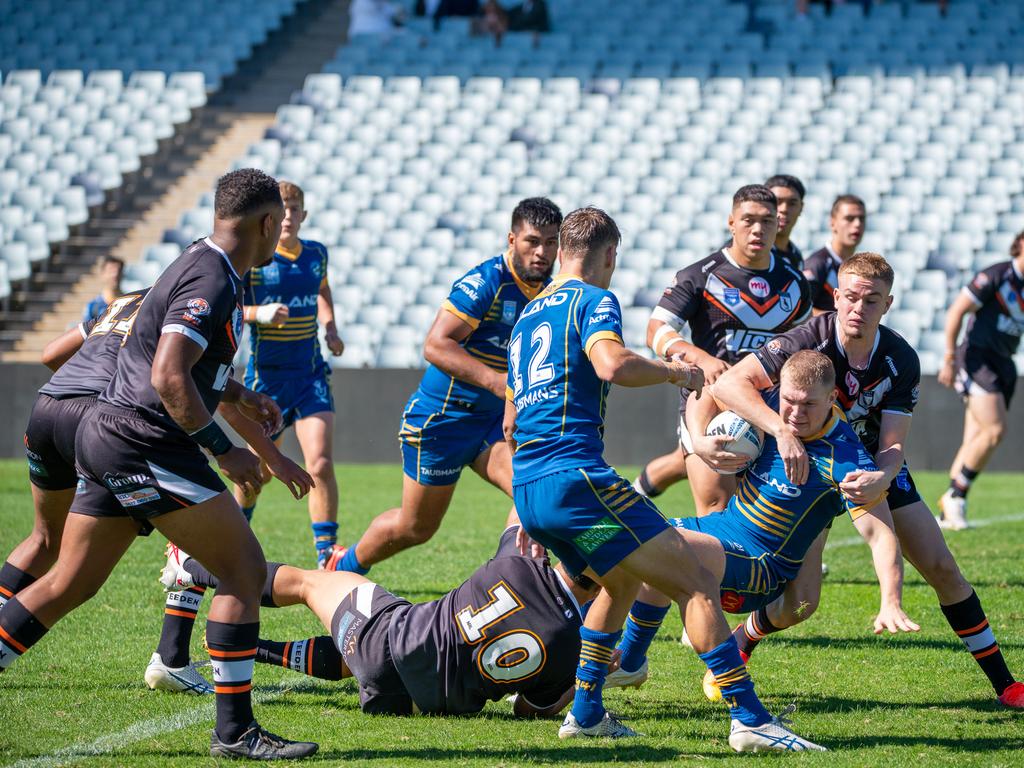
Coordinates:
[599,317]
[851,456]
[472,294]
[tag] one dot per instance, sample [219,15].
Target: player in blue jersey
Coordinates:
[453,420]
[771,527]
[566,351]
[285,301]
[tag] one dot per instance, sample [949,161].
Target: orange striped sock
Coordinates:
[316,657]
[232,649]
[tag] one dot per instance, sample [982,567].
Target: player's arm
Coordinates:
[875,526]
[964,304]
[616,364]
[325,316]
[295,478]
[666,323]
[171,377]
[444,349]
[711,449]
[63,348]
[523,707]
[265,314]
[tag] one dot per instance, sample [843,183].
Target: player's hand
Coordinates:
[616,661]
[683,374]
[334,342]
[273,315]
[712,367]
[863,487]
[947,373]
[296,479]
[711,449]
[242,467]
[891,618]
[261,409]
[794,456]
[528,547]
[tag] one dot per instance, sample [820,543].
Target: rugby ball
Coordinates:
[746,438]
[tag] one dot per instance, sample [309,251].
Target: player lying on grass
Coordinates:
[756,545]
[84,360]
[877,376]
[566,351]
[511,628]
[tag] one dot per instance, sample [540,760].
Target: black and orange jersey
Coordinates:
[889,383]
[821,269]
[512,627]
[998,293]
[732,310]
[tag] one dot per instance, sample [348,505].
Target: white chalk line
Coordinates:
[852,541]
[148,729]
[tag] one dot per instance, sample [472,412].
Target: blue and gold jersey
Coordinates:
[293,279]
[489,298]
[559,399]
[783,520]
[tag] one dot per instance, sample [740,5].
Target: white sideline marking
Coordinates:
[146,729]
[851,541]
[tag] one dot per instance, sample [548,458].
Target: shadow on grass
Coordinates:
[902,640]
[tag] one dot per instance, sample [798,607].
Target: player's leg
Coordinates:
[925,548]
[34,556]
[494,464]
[984,427]
[711,491]
[315,434]
[661,473]
[90,548]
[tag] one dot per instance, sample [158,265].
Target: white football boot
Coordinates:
[773,736]
[609,727]
[185,679]
[620,678]
[174,577]
[954,512]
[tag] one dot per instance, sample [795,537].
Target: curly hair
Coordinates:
[243,192]
[537,212]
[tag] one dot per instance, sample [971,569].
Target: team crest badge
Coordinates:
[786,303]
[271,274]
[852,385]
[508,312]
[731,296]
[198,307]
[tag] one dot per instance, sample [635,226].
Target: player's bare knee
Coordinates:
[993,434]
[321,468]
[942,573]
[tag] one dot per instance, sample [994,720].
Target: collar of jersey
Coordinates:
[290,255]
[771,261]
[842,349]
[568,590]
[223,255]
[829,426]
[1013,266]
[527,290]
[835,256]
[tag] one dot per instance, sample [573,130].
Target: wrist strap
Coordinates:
[213,438]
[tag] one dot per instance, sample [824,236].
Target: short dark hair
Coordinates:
[754,193]
[1017,245]
[586,230]
[112,260]
[846,200]
[244,192]
[537,212]
[788,182]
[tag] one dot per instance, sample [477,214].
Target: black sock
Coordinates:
[202,577]
[968,620]
[961,484]
[180,611]
[232,654]
[316,657]
[19,631]
[649,489]
[752,631]
[12,581]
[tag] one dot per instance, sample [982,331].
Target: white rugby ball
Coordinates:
[746,438]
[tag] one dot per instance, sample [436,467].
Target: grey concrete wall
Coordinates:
[641,422]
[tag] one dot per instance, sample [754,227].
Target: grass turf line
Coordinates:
[900,700]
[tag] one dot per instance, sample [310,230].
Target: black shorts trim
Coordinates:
[985,370]
[50,440]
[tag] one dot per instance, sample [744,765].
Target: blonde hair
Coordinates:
[290,190]
[808,368]
[870,266]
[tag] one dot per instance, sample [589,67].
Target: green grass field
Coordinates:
[78,697]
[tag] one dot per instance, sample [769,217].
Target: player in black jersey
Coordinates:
[511,628]
[877,374]
[140,465]
[789,194]
[849,221]
[982,371]
[733,301]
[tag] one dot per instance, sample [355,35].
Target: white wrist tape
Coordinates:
[265,313]
[664,338]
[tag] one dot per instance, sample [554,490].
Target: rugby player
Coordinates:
[140,464]
[662,473]
[733,301]
[756,545]
[511,628]
[453,420]
[848,220]
[284,303]
[877,374]
[566,351]
[982,371]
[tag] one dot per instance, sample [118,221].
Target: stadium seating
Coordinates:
[414,148]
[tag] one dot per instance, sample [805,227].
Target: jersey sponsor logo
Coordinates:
[742,340]
[892,365]
[786,490]
[198,307]
[123,481]
[80,486]
[509,310]
[599,534]
[295,302]
[915,393]
[471,285]
[759,287]
[1009,326]
[440,471]
[538,305]
[37,469]
[852,385]
[748,311]
[497,341]
[137,497]
[606,311]
[535,396]
[732,602]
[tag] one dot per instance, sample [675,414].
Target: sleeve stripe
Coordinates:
[970,294]
[187,332]
[469,320]
[599,336]
[81,330]
[666,316]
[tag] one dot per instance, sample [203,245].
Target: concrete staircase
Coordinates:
[171,181]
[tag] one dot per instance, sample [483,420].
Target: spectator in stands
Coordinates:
[111,270]
[374,17]
[528,16]
[447,8]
